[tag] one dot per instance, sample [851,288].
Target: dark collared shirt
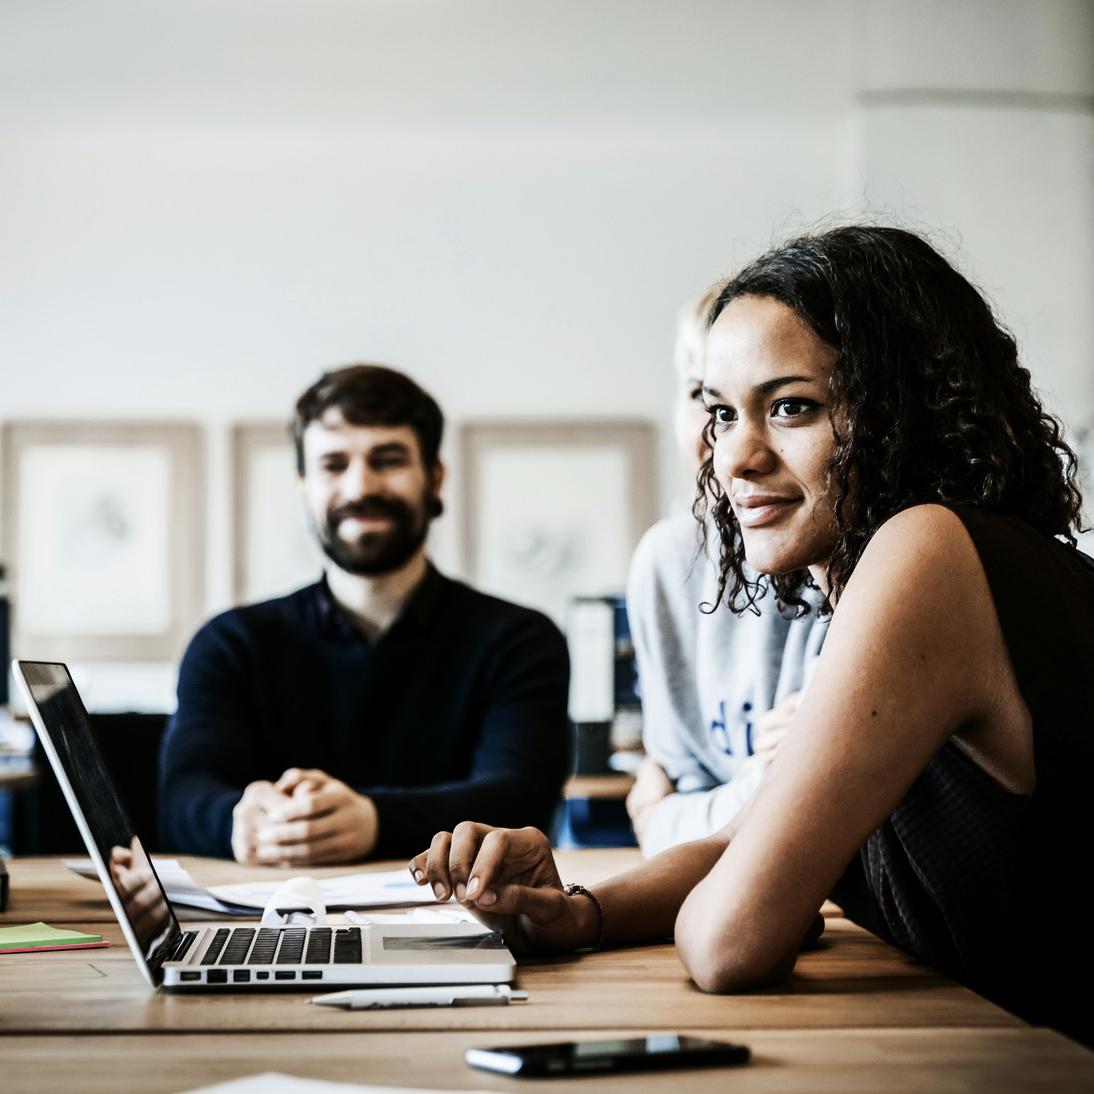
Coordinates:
[456,712]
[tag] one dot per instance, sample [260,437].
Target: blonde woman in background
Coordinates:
[718,690]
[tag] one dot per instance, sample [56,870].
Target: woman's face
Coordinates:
[689,414]
[766,388]
[689,417]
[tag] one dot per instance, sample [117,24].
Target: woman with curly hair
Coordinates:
[874,435]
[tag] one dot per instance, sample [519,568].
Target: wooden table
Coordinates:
[614,787]
[856,1015]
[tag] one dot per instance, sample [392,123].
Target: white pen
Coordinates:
[456,995]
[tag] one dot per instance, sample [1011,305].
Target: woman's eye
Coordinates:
[722,416]
[792,408]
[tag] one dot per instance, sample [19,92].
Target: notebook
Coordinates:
[32,937]
[219,957]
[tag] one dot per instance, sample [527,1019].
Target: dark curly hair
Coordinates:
[927,400]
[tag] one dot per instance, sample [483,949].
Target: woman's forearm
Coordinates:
[641,905]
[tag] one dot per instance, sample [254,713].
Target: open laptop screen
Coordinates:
[70,744]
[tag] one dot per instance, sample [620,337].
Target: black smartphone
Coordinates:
[660,1050]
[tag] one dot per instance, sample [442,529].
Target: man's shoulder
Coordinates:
[293,611]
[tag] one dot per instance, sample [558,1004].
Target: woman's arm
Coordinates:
[914,654]
[509,879]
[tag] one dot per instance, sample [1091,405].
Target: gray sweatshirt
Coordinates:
[704,680]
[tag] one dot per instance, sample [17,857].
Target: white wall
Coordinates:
[203,204]
[975,122]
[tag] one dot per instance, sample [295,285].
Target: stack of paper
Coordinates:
[41,936]
[385,889]
[179,886]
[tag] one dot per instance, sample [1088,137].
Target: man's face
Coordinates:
[368,494]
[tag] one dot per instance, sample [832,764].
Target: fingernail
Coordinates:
[461,891]
[419,877]
[488,897]
[472,887]
[440,891]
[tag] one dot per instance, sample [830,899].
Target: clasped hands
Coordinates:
[306,818]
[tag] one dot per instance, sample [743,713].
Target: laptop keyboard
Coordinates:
[284,946]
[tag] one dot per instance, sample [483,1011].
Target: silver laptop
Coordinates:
[217,956]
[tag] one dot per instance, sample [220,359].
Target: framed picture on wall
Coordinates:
[102,530]
[553,510]
[275,551]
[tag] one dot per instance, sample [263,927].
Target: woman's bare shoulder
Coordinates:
[926,545]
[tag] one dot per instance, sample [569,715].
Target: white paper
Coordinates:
[179,886]
[386,889]
[453,913]
[275,1082]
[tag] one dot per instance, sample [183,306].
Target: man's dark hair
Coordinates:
[927,400]
[371,395]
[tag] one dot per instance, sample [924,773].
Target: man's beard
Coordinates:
[381,552]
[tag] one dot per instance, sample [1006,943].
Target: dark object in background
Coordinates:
[592,747]
[130,744]
[5,636]
[605,706]
[624,660]
[3,886]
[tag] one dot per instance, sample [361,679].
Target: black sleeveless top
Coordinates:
[985,885]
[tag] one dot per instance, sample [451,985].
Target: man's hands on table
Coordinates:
[306,818]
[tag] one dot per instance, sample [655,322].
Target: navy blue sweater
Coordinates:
[457,712]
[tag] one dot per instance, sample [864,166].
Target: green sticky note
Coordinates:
[41,936]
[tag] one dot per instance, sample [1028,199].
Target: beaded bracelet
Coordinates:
[580,890]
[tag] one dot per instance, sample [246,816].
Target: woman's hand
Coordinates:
[507,877]
[651,786]
[771,727]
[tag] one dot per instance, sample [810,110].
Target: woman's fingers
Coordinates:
[436,865]
[506,853]
[769,740]
[541,906]
[506,877]
[417,865]
[474,861]
[463,853]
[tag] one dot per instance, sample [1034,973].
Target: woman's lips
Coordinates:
[758,511]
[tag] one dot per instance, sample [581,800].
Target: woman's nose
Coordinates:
[742,452]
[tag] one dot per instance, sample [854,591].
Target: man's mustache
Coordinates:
[367,507]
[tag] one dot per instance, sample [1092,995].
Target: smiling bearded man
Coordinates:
[355,717]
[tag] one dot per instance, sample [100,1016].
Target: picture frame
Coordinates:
[528,534]
[102,530]
[274,550]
